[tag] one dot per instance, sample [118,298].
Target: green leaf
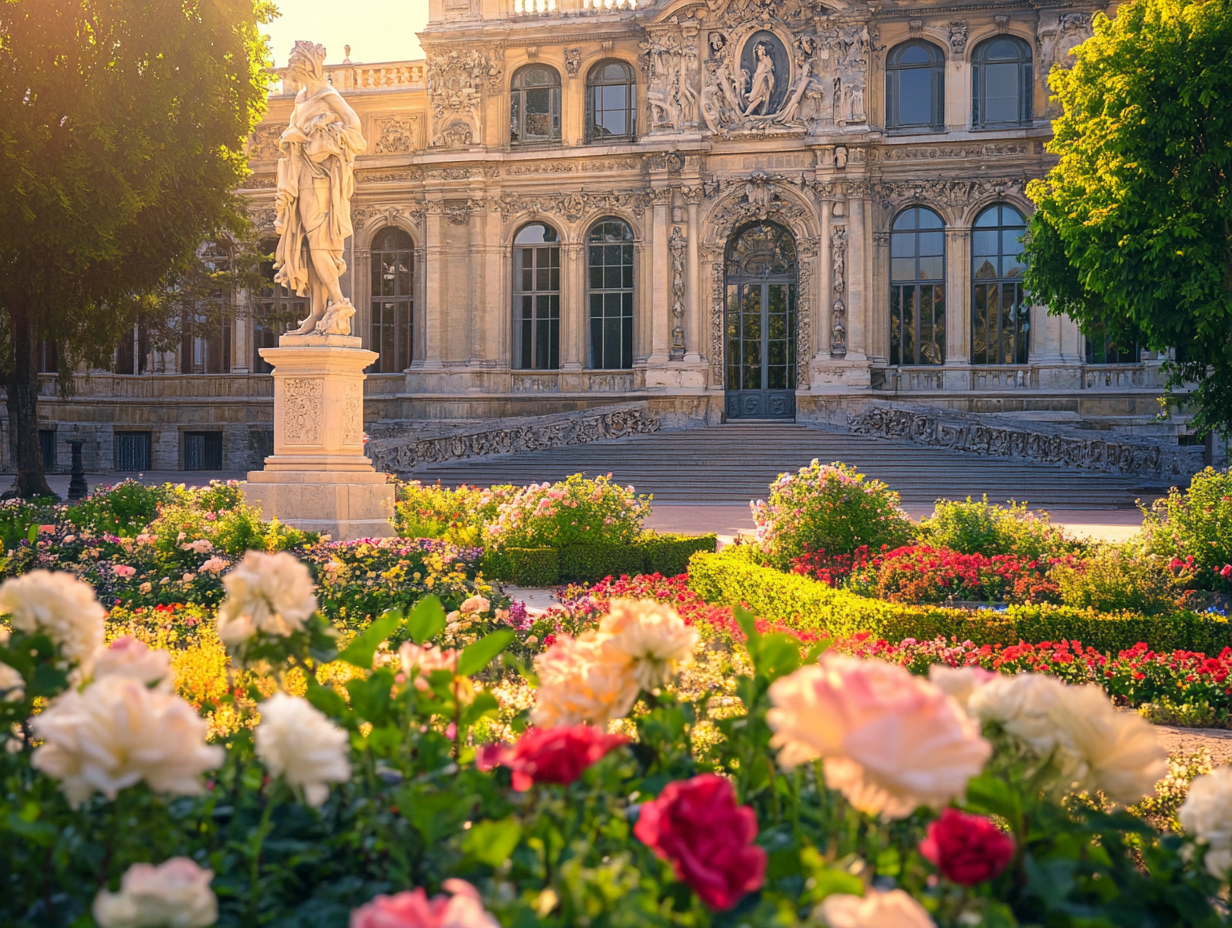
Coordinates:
[371,698]
[32,534]
[328,701]
[484,704]
[775,655]
[491,843]
[478,655]
[426,620]
[747,622]
[359,652]
[817,650]
[993,796]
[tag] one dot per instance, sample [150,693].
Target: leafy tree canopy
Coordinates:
[122,129]
[1133,235]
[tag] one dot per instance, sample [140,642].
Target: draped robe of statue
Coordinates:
[316,180]
[762,87]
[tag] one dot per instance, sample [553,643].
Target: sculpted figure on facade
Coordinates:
[761,86]
[1059,35]
[455,86]
[316,179]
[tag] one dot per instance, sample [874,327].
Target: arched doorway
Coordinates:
[760,324]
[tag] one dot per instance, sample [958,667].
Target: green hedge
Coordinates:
[806,604]
[665,554]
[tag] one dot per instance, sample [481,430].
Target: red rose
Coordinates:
[549,755]
[708,839]
[968,849]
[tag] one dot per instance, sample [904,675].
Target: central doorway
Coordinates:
[760,323]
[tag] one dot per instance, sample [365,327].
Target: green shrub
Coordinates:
[17,515]
[577,511]
[668,554]
[591,563]
[527,567]
[972,527]
[828,510]
[1114,580]
[1196,524]
[124,509]
[809,605]
[458,515]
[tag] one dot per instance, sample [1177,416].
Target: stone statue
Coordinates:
[316,179]
[762,88]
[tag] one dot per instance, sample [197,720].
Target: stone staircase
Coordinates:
[736,461]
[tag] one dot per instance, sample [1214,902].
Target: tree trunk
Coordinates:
[22,403]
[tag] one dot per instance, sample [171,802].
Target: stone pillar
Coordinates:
[318,478]
[957,374]
[660,304]
[857,275]
[879,287]
[435,256]
[361,293]
[694,333]
[475,221]
[572,311]
[241,354]
[823,304]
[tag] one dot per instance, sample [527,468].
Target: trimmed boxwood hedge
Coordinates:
[666,554]
[803,603]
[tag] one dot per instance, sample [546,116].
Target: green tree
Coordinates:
[1133,235]
[122,129]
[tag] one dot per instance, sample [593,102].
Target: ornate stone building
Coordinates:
[740,208]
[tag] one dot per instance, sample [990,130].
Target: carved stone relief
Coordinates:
[263,143]
[455,86]
[958,36]
[677,246]
[395,134]
[571,206]
[457,134]
[952,193]
[353,414]
[302,401]
[573,61]
[838,288]
[1058,35]
[671,95]
[895,153]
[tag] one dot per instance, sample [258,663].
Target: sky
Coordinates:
[376,30]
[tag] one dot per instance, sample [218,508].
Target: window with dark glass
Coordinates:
[1002,76]
[534,106]
[133,353]
[205,339]
[1102,348]
[915,87]
[917,288]
[610,288]
[393,300]
[277,310]
[536,297]
[611,92]
[1000,317]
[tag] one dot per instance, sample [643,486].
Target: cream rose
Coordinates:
[270,594]
[1207,815]
[127,657]
[959,682]
[890,741]
[175,894]
[475,604]
[583,681]
[1078,732]
[892,909]
[117,732]
[12,685]
[424,660]
[298,742]
[60,606]
[653,636]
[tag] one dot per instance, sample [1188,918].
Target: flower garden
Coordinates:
[849,721]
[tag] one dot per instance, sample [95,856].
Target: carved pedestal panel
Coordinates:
[318,478]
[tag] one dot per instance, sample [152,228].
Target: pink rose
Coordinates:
[123,570]
[413,909]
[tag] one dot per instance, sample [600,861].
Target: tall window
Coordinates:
[393,300]
[611,102]
[1003,82]
[132,354]
[1000,316]
[205,340]
[917,288]
[610,263]
[277,309]
[534,108]
[915,87]
[536,297]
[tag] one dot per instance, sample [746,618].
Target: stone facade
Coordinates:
[803,114]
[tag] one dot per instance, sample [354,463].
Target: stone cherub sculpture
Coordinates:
[316,178]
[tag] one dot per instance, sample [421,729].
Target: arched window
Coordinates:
[610,264]
[536,298]
[917,288]
[534,107]
[1000,317]
[915,87]
[611,101]
[1002,76]
[393,300]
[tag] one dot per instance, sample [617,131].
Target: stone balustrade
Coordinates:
[572,7]
[387,75]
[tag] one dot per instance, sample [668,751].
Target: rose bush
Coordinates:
[577,511]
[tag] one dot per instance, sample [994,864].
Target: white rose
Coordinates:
[476,604]
[298,742]
[60,606]
[117,732]
[893,909]
[175,894]
[133,659]
[1024,706]
[959,682]
[1207,815]
[269,594]
[582,681]
[653,636]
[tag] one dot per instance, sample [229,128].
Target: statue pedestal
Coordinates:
[318,478]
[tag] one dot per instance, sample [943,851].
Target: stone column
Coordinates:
[857,273]
[241,355]
[957,375]
[823,303]
[694,330]
[361,293]
[475,223]
[572,291]
[660,285]
[435,255]
[879,337]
